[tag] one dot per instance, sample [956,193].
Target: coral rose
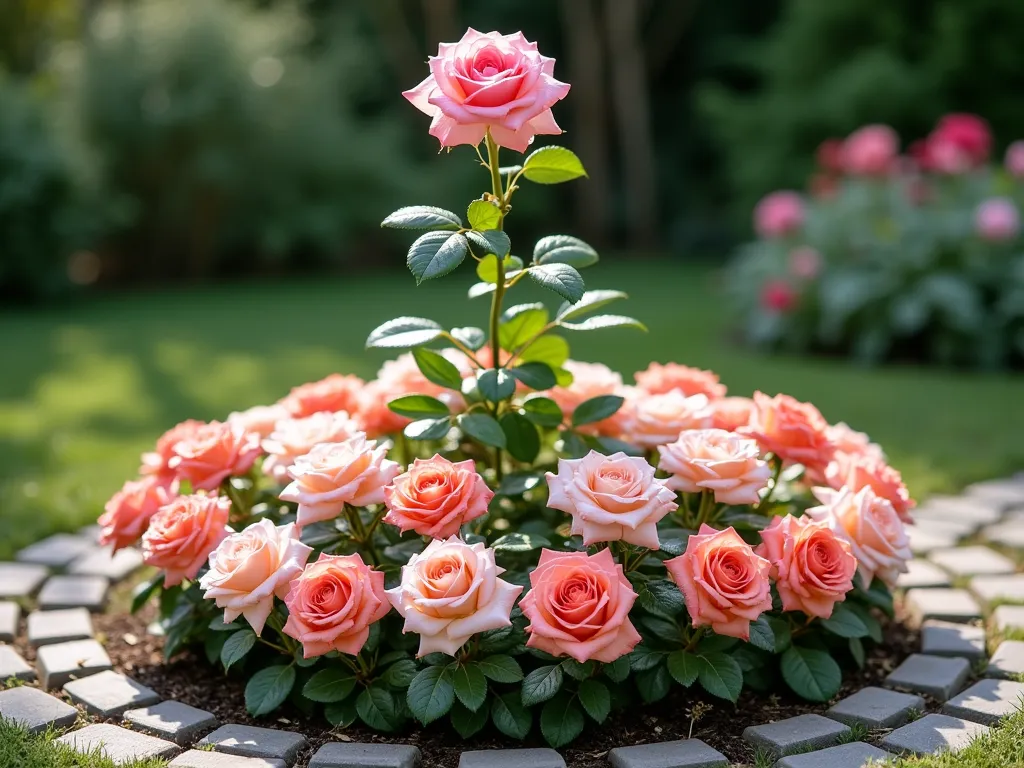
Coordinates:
[578,605]
[490,82]
[611,498]
[353,471]
[332,604]
[183,533]
[436,496]
[332,394]
[260,419]
[870,524]
[654,420]
[856,471]
[155,462]
[997,220]
[870,151]
[249,568]
[128,512]
[725,584]
[590,380]
[718,461]
[795,432]
[658,379]
[731,413]
[297,437]
[779,214]
[214,452]
[451,591]
[813,567]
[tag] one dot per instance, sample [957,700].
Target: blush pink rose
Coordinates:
[332,604]
[779,214]
[723,581]
[292,438]
[1015,159]
[578,605]
[611,498]
[657,379]
[795,432]
[249,568]
[850,441]
[436,496]
[156,461]
[213,453]
[590,380]
[874,531]
[855,471]
[183,533]
[731,413]
[655,420]
[260,419]
[490,82]
[870,151]
[353,471]
[127,514]
[813,567]
[718,461]
[332,394]
[997,220]
[451,591]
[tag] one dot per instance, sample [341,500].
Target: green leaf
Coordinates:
[618,670]
[761,635]
[268,688]
[521,437]
[519,542]
[643,658]
[492,241]
[599,322]
[662,597]
[857,651]
[487,269]
[541,684]
[564,249]
[550,349]
[781,632]
[495,384]
[418,407]
[542,411]
[435,254]
[476,290]
[844,622]
[596,409]
[427,429]
[437,368]
[574,446]
[663,629]
[403,332]
[591,301]
[510,716]
[145,590]
[422,217]
[483,215]
[472,337]
[812,674]
[560,278]
[431,694]
[217,625]
[466,722]
[376,707]
[561,720]
[879,596]
[720,675]
[342,714]
[578,670]
[684,667]
[470,685]
[401,673]
[653,684]
[329,685]
[864,613]
[521,323]
[609,445]
[552,165]
[519,483]
[501,669]
[482,428]
[236,647]
[537,376]
[596,700]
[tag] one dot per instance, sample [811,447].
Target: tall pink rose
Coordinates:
[590,380]
[856,471]
[611,498]
[725,584]
[214,452]
[435,497]
[128,512]
[655,420]
[332,475]
[718,461]
[779,214]
[489,81]
[578,605]
[156,462]
[249,568]
[657,379]
[870,151]
[329,395]
[332,604]
[292,438]
[795,432]
[260,419]
[182,534]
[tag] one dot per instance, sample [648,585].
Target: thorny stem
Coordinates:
[499,287]
[777,470]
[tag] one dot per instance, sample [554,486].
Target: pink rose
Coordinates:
[856,471]
[183,533]
[870,151]
[795,432]
[451,591]
[249,568]
[874,531]
[778,296]
[779,214]
[490,82]
[397,378]
[658,379]
[813,567]
[578,605]
[214,452]
[1015,159]
[292,438]
[718,461]
[330,395]
[850,441]
[353,471]
[963,136]
[260,419]
[611,498]
[332,604]
[156,461]
[997,220]
[804,263]
[655,420]
[128,512]
[731,413]
[724,583]
[590,380]
[435,497]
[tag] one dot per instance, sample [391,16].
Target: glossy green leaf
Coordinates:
[268,688]
[542,411]
[431,694]
[422,217]
[564,249]
[596,700]
[661,596]
[542,684]
[844,622]
[487,269]
[437,368]
[418,407]
[684,667]
[435,254]
[519,483]
[537,376]
[470,685]
[377,708]
[521,437]
[427,429]
[404,332]
[653,684]
[857,651]
[480,289]
[618,670]
[561,720]
[401,673]
[492,241]
[596,409]
[550,349]
[812,674]
[145,590]
[501,669]
[600,322]
[643,658]
[342,714]
[720,675]
[519,542]
[521,323]
[329,685]
[472,337]
[761,635]
[482,428]
[560,278]
[466,722]
[483,215]
[510,716]
[591,301]
[495,384]
[236,647]
[552,165]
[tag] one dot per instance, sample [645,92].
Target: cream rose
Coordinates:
[718,461]
[292,438]
[655,420]
[590,380]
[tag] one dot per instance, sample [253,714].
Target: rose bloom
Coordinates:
[249,568]
[490,82]
[795,432]
[353,471]
[997,220]
[850,441]
[778,296]
[715,460]
[731,413]
[297,437]
[968,134]
[654,420]
[874,531]
[397,378]
[128,512]
[724,583]
[590,380]
[436,496]
[1015,159]
[813,567]
[870,151]
[332,394]
[578,605]
[182,534]
[657,379]
[611,498]
[856,471]
[779,214]
[451,591]
[156,461]
[830,155]
[804,263]
[332,604]
[214,452]
[260,419]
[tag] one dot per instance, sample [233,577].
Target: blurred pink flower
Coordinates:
[870,151]
[997,220]
[1015,159]
[804,262]
[779,214]
[777,296]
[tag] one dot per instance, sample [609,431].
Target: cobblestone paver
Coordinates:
[198,758]
[109,693]
[114,566]
[933,676]
[35,710]
[796,734]
[338,755]
[1008,660]
[511,758]
[993,588]
[173,721]
[49,627]
[931,734]
[972,561]
[943,604]
[57,551]
[10,615]
[987,701]
[944,638]
[88,592]
[854,755]
[21,580]
[250,741]
[12,665]
[922,574]
[119,744]
[688,753]
[62,662]
[1007,618]
[876,708]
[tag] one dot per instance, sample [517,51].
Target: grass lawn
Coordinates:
[89,385]
[18,749]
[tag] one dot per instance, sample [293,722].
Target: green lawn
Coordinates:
[87,386]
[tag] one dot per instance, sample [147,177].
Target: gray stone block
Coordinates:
[796,734]
[173,721]
[1007,661]
[12,665]
[944,638]
[34,710]
[339,755]
[20,580]
[1010,533]
[1007,618]
[90,533]
[115,566]
[993,588]
[943,604]
[49,627]
[120,745]
[511,758]
[88,592]
[924,540]
[854,755]
[987,701]
[63,662]
[1004,494]
[109,694]
[933,676]
[687,753]
[922,574]
[196,758]
[972,561]
[55,551]
[10,615]
[974,508]
[876,708]
[250,741]
[931,734]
